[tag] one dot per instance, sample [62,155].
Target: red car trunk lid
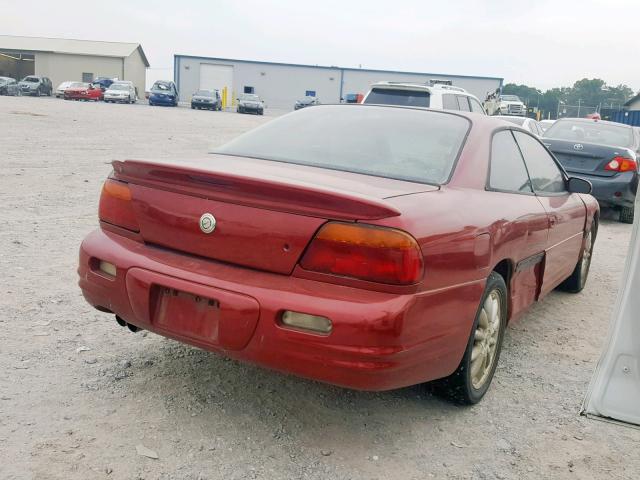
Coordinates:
[265,214]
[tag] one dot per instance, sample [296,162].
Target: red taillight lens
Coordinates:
[621,164]
[116,207]
[366,252]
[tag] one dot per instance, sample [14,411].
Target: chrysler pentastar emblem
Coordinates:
[207,223]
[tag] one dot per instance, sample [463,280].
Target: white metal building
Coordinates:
[281,84]
[80,60]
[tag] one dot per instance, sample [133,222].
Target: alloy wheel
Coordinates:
[485,340]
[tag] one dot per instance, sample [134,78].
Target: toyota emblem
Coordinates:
[207,223]
[578,146]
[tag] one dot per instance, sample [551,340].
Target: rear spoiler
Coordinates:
[268,193]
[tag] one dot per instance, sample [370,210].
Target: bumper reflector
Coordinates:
[108,268]
[304,321]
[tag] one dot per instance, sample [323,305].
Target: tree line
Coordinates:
[594,94]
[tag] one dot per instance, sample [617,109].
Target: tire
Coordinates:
[151,104]
[626,214]
[192,107]
[462,386]
[261,112]
[578,278]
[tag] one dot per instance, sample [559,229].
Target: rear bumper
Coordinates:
[617,191]
[379,341]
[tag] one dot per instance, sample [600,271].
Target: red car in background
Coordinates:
[84,91]
[372,247]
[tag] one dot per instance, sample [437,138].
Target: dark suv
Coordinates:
[36,86]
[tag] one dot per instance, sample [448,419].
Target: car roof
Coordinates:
[591,120]
[421,86]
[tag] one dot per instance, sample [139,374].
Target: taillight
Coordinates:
[115,205]
[621,164]
[365,252]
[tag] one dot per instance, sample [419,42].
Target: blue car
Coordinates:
[164,93]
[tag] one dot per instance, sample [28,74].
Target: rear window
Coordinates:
[591,132]
[393,96]
[160,86]
[404,144]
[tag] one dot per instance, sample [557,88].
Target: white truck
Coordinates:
[497,104]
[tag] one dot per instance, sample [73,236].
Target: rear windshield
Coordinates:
[118,86]
[160,86]
[404,144]
[204,93]
[393,96]
[591,132]
[31,79]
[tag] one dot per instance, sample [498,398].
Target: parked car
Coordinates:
[353,98]
[306,102]
[525,122]
[249,102]
[123,92]
[207,99]
[440,97]
[164,92]
[366,246]
[545,124]
[36,86]
[84,91]
[63,86]
[605,153]
[9,86]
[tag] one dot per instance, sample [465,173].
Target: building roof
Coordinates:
[334,67]
[70,46]
[632,100]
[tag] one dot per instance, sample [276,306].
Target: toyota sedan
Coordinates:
[372,247]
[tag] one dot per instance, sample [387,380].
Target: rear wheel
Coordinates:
[626,214]
[471,380]
[578,279]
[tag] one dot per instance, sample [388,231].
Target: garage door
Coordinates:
[216,77]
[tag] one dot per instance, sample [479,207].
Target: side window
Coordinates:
[449,102]
[507,170]
[87,77]
[546,176]
[475,105]
[463,103]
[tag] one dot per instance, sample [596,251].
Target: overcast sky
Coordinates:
[540,43]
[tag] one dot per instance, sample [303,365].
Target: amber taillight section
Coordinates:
[365,252]
[116,207]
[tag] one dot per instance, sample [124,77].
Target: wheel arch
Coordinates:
[505,268]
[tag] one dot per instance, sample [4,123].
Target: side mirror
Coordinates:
[579,185]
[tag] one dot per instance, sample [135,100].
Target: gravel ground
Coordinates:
[80,397]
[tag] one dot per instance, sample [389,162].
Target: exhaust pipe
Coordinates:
[123,323]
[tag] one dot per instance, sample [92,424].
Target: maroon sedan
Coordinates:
[372,247]
[84,91]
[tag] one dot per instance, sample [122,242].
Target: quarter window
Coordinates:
[508,172]
[463,103]
[475,106]
[449,102]
[546,176]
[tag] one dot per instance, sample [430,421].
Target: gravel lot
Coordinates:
[78,393]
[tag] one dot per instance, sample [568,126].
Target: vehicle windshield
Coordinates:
[253,98]
[4,80]
[591,132]
[78,85]
[204,93]
[510,98]
[160,86]
[404,144]
[516,120]
[115,86]
[31,79]
[394,96]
